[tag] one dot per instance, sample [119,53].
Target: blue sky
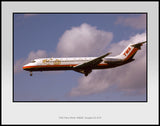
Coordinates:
[43,35]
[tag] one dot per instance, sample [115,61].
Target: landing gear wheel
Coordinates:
[86,74]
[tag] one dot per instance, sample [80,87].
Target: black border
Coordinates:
[82,13]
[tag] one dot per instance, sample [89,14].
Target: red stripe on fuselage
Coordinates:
[41,66]
[54,66]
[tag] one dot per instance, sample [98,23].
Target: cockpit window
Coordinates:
[33,61]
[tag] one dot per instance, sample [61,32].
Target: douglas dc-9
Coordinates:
[84,65]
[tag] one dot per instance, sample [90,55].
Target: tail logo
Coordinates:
[127,51]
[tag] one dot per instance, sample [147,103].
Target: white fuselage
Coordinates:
[44,64]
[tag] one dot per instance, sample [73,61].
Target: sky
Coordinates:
[79,35]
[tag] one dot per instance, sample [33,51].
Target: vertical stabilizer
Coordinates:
[130,51]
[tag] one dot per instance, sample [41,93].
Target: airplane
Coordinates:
[84,65]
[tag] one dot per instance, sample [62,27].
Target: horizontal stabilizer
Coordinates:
[138,45]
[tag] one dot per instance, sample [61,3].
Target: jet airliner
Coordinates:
[84,65]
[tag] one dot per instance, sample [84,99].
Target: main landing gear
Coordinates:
[30,73]
[87,72]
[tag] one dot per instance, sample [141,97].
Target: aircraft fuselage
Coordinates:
[84,65]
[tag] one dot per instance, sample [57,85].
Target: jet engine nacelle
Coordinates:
[112,60]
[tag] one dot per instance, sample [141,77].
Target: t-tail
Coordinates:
[129,52]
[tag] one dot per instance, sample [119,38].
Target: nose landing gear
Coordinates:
[30,73]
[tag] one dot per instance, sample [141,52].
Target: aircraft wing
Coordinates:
[86,67]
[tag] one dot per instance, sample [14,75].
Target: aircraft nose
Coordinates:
[25,67]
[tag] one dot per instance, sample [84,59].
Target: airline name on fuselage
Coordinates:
[51,61]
